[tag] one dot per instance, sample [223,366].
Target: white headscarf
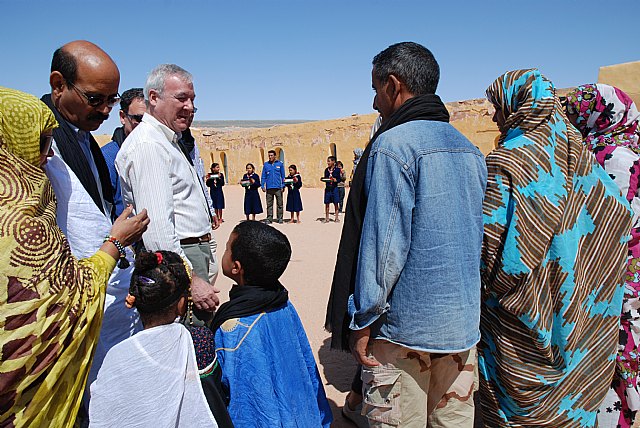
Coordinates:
[151,380]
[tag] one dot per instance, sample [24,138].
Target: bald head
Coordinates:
[82,74]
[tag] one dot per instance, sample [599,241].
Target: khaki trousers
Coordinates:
[414,389]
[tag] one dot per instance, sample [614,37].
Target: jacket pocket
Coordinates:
[381,400]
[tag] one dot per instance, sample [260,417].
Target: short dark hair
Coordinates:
[128,97]
[158,281]
[263,252]
[272,151]
[215,164]
[333,158]
[65,63]
[413,64]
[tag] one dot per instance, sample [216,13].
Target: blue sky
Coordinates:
[312,59]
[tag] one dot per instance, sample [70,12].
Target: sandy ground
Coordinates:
[308,279]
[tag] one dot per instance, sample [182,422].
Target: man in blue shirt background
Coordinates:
[273,182]
[132,107]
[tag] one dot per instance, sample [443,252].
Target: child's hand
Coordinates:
[295,179]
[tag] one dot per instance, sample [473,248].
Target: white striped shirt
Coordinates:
[155,174]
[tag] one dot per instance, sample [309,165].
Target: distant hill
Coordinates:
[263,123]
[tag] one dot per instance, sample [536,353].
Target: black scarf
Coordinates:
[187,143]
[118,136]
[423,107]
[245,300]
[71,153]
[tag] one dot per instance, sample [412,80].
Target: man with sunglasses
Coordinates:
[132,107]
[84,88]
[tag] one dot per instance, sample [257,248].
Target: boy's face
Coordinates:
[330,163]
[227,260]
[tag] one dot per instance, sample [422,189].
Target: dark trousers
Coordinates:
[270,194]
[341,192]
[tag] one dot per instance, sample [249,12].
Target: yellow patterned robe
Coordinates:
[51,304]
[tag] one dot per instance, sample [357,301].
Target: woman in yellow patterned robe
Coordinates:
[51,304]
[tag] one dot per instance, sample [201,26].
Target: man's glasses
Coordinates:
[97,100]
[135,117]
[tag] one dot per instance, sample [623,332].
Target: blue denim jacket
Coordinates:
[418,275]
[273,175]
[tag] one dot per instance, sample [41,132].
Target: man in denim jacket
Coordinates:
[415,311]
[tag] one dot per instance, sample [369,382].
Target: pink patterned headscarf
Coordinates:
[606,116]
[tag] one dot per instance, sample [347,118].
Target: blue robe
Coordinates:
[252,203]
[270,373]
[215,191]
[294,201]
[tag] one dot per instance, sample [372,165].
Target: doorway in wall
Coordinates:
[223,161]
[333,150]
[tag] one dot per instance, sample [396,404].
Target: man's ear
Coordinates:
[153,99]
[394,86]
[236,269]
[122,116]
[57,83]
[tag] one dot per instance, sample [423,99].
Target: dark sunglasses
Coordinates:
[45,143]
[136,117]
[97,100]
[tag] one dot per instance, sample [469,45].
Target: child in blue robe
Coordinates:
[251,184]
[215,181]
[267,364]
[294,201]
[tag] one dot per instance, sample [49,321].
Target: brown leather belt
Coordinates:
[188,241]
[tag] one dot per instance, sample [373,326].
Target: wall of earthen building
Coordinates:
[307,145]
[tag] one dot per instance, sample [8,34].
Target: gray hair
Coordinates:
[413,64]
[155,80]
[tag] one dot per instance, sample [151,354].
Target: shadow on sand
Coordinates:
[338,369]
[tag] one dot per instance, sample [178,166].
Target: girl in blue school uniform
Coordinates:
[215,189]
[294,201]
[252,203]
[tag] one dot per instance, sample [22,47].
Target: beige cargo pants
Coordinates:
[418,389]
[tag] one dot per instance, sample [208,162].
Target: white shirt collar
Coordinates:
[168,132]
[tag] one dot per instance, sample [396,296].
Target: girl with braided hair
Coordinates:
[160,376]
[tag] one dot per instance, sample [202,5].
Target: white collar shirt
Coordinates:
[156,175]
[85,145]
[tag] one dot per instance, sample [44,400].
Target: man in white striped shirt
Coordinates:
[157,175]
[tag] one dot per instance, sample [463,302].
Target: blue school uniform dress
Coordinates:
[215,190]
[252,202]
[294,201]
[270,373]
[331,192]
